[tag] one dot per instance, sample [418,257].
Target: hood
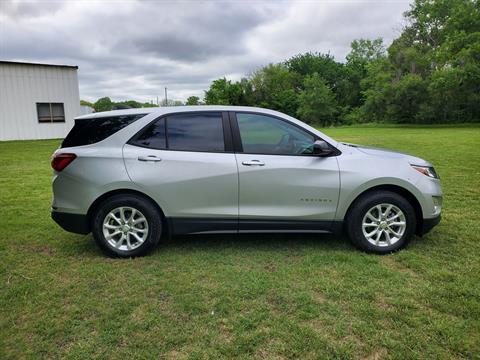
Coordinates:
[386,153]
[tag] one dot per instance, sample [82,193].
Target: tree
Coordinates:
[131,103]
[317,102]
[376,90]
[453,95]
[322,64]
[193,100]
[338,77]
[224,92]
[408,97]
[364,51]
[248,96]
[103,104]
[275,87]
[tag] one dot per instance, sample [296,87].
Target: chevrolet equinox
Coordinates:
[134,176]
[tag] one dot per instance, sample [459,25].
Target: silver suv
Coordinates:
[134,176]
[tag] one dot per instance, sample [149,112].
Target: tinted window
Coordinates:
[195,132]
[152,137]
[90,131]
[262,134]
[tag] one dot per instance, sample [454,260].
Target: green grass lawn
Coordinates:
[269,296]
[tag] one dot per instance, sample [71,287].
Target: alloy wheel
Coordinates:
[125,228]
[384,225]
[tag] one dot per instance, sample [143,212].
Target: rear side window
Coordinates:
[195,132]
[184,132]
[90,131]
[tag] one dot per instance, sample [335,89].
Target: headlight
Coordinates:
[426,170]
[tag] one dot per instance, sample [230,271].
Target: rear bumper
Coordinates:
[76,223]
[429,224]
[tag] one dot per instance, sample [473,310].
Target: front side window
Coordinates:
[186,132]
[50,112]
[262,134]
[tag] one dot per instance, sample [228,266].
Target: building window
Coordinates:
[50,112]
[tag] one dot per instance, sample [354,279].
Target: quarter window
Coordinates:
[261,134]
[152,137]
[90,131]
[50,112]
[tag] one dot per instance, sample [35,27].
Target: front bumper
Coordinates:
[429,224]
[76,223]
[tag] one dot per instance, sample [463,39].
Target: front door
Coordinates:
[281,181]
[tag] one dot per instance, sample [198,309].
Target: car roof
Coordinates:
[175,109]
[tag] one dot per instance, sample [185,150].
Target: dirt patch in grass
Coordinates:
[393,264]
[377,355]
[43,250]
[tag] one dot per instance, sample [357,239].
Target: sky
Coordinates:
[134,49]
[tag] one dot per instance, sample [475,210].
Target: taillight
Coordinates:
[61,160]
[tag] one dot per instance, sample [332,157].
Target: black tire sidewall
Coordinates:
[145,206]
[365,203]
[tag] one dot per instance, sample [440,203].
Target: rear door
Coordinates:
[283,185]
[186,163]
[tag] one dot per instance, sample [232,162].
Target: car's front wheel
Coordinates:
[381,222]
[126,226]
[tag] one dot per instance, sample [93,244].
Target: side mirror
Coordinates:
[321,148]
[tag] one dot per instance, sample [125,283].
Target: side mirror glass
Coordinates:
[321,148]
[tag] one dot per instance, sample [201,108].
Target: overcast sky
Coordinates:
[133,49]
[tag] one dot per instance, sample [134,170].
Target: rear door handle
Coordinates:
[149,158]
[253,163]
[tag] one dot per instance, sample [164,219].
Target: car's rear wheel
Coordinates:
[127,226]
[381,222]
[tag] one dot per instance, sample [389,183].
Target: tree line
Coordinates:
[429,74]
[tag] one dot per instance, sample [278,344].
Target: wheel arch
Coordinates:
[94,206]
[409,196]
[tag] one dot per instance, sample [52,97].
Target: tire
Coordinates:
[385,212]
[119,234]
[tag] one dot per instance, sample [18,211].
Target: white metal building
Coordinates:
[37,101]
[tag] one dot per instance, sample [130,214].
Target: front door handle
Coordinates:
[253,163]
[149,158]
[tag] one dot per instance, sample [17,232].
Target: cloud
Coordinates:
[133,49]
[14,9]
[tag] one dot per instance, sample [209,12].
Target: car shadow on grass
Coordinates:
[255,241]
[86,246]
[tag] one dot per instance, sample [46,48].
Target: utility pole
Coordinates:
[166,98]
